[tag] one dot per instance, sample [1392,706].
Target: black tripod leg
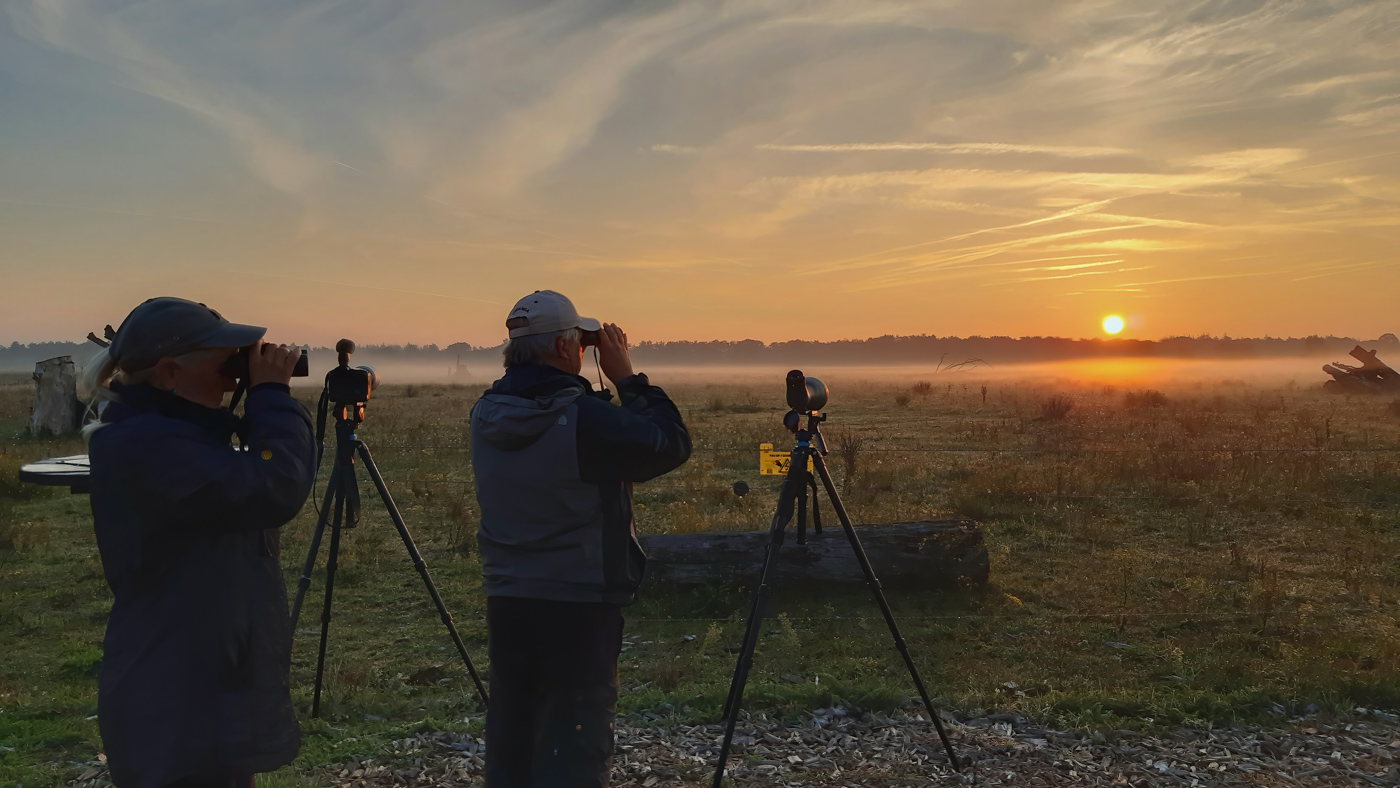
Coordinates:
[787,498]
[304,582]
[802,516]
[874,584]
[422,569]
[332,558]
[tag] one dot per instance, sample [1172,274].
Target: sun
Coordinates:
[1113,324]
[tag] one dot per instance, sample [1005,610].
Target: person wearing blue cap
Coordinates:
[193,690]
[554,463]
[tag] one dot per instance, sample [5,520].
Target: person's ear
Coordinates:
[164,373]
[561,347]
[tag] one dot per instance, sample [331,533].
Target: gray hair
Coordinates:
[534,349]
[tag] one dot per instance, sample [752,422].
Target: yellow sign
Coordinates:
[775,463]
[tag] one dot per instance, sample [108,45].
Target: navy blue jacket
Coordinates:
[195,661]
[554,464]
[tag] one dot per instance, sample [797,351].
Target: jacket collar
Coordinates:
[536,380]
[145,398]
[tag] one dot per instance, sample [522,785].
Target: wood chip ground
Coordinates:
[879,751]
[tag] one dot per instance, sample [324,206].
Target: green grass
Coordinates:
[1243,573]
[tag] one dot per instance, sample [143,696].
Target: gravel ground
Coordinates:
[836,749]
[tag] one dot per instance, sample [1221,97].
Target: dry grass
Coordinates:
[1238,544]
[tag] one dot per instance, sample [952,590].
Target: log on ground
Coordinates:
[933,553]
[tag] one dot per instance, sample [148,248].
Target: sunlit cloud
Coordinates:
[948,147]
[1070,267]
[1074,275]
[667,163]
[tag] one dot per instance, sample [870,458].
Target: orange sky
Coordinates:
[700,170]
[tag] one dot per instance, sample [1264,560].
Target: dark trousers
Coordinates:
[553,693]
[227,781]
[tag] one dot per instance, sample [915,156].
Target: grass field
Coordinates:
[1215,553]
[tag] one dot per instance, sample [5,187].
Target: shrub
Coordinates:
[848,445]
[1056,407]
[902,400]
[1149,398]
[923,388]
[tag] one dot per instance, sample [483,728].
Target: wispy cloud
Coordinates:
[607,148]
[1071,151]
[1071,267]
[1074,275]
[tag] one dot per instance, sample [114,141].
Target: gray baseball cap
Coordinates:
[544,312]
[166,326]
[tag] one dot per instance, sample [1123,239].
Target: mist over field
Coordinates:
[1158,373]
[1173,362]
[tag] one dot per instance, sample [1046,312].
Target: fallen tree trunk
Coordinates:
[1372,377]
[936,553]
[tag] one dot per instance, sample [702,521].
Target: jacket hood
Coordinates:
[518,409]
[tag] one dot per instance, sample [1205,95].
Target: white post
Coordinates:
[56,407]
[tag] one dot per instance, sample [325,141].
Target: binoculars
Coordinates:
[237,365]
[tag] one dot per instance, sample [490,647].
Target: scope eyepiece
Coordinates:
[806,394]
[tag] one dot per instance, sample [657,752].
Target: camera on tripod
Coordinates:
[348,389]
[806,396]
[346,384]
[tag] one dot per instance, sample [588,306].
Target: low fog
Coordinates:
[1163,374]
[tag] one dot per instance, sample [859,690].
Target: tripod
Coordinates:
[793,495]
[342,500]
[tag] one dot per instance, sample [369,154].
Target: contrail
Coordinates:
[343,164]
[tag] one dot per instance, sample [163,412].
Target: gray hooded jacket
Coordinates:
[554,465]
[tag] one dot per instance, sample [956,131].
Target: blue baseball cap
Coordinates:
[166,326]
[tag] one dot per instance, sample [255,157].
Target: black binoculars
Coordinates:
[237,365]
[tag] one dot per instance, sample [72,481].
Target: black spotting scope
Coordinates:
[805,394]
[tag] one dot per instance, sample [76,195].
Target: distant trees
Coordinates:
[924,349]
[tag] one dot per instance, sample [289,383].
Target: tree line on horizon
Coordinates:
[876,351]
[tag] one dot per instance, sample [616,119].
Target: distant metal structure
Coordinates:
[56,408]
[1372,377]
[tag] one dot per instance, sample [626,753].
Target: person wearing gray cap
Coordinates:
[193,691]
[554,463]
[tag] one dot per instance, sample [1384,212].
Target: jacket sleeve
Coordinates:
[263,487]
[642,439]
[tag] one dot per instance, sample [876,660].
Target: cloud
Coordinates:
[97,32]
[887,146]
[678,150]
[1250,160]
[949,147]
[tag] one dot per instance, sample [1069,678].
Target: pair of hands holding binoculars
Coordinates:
[269,363]
[613,356]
